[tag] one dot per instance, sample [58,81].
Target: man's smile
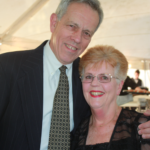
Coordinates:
[71,47]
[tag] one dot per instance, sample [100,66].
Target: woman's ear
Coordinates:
[120,85]
[53,22]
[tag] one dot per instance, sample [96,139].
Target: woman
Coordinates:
[103,70]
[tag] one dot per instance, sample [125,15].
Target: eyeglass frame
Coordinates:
[98,79]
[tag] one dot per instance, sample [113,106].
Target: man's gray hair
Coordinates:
[94,4]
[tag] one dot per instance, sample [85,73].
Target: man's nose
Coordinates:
[77,36]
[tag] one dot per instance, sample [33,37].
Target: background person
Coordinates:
[103,70]
[138,82]
[125,97]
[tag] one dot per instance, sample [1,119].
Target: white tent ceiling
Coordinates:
[24,24]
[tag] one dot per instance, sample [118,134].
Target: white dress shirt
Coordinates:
[51,75]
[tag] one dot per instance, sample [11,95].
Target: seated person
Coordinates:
[127,83]
[103,70]
[125,97]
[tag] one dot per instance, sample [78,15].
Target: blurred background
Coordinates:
[24,24]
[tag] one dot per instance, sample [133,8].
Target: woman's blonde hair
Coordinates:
[103,53]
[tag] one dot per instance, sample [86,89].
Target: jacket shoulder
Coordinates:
[12,59]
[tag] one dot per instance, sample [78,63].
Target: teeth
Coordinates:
[73,48]
[96,93]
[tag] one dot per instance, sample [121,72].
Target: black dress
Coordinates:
[124,137]
[139,82]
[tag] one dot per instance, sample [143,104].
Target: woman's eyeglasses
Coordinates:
[103,78]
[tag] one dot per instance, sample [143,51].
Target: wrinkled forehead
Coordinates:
[98,66]
[82,14]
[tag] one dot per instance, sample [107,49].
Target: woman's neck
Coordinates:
[104,116]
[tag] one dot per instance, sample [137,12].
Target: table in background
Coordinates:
[131,105]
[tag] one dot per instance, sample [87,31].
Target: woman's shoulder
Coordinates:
[133,116]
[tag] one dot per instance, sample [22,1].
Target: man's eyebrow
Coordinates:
[91,32]
[77,25]
[74,23]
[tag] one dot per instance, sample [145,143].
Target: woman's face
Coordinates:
[101,95]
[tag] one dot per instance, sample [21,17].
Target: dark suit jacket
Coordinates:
[139,83]
[21,99]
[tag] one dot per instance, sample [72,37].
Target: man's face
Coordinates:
[136,75]
[72,34]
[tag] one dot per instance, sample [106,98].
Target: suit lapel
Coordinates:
[31,91]
[75,80]
[77,93]
[80,106]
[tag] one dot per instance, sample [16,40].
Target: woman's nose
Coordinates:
[95,81]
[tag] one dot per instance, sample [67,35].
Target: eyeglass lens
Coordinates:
[101,77]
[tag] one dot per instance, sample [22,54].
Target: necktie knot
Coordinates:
[63,69]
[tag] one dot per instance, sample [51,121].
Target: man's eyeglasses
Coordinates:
[103,78]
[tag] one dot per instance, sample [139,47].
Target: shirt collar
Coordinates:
[52,60]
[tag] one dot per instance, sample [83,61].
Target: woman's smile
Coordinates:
[96,93]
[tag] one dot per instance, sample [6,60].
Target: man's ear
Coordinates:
[53,22]
[120,85]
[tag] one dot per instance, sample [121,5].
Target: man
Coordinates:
[138,82]
[28,79]
[125,97]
